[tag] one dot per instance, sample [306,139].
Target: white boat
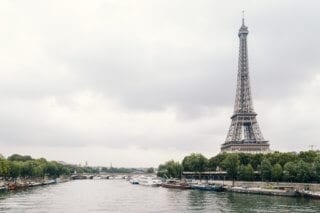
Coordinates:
[149,181]
[97,178]
[134,181]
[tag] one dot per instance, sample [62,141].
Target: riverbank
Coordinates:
[269,185]
[273,188]
[28,183]
[262,191]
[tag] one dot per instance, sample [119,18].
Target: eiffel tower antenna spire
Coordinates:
[244,134]
[242,17]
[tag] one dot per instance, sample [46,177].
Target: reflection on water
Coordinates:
[121,196]
[262,203]
[197,199]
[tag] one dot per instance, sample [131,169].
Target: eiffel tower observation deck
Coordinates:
[244,134]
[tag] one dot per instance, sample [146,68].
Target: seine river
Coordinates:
[121,196]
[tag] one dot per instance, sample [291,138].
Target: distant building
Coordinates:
[244,134]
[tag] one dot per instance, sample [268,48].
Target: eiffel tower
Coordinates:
[244,134]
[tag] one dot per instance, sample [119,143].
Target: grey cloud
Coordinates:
[148,57]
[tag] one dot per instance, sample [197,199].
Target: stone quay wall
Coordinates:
[250,184]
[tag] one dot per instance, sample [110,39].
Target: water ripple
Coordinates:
[120,196]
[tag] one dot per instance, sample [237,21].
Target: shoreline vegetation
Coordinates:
[23,171]
[282,174]
[303,167]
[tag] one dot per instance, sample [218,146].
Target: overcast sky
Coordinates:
[140,82]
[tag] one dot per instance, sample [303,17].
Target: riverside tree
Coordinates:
[276,172]
[316,166]
[195,163]
[289,171]
[304,172]
[19,166]
[266,170]
[215,162]
[171,169]
[276,166]
[4,167]
[231,164]
[246,172]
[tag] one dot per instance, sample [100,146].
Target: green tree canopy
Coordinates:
[266,169]
[4,167]
[14,169]
[304,172]
[216,161]
[277,172]
[246,172]
[17,157]
[244,158]
[255,160]
[308,156]
[316,166]
[289,171]
[231,164]
[195,163]
[171,169]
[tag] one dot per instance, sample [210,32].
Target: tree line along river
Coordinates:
[121,196]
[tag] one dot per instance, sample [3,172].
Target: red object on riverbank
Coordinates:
[15,185]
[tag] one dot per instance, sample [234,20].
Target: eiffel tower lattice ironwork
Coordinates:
[244,134]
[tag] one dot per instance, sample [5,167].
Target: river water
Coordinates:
[121,196]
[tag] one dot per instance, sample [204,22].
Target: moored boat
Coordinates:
[149,181]
[34,184]
[3,188]
[176,184]
[156,182]
[134,181]
[48,182]
[207,187]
